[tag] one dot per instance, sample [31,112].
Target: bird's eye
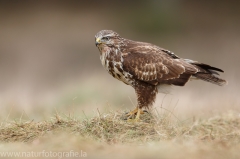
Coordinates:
[105,38]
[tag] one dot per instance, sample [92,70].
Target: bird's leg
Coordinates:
[132,113]
[138,114]
[137,111]
[146,94]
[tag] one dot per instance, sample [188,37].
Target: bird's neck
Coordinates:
[110,54]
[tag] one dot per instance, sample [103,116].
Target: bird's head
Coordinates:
[107,38]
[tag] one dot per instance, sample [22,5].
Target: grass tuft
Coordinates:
[110,128]
[108,136]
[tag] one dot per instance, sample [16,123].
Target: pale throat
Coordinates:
[104,52]
[103,49]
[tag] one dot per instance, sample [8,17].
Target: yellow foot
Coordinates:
[131,114]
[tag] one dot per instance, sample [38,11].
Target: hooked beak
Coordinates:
[97,42]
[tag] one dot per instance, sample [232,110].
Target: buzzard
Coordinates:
[149,69]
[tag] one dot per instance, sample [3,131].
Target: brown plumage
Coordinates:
[147,67]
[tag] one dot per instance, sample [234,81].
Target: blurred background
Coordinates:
[49,62]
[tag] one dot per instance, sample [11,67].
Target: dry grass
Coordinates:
[107,136]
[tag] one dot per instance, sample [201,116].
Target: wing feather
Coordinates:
[147,62]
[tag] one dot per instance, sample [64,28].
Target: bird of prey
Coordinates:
[149,69]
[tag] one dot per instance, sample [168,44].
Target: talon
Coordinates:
[136,112]
[133,112]
[145,111]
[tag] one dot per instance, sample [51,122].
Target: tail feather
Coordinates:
[210,78]
[208,67]
[207,73]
